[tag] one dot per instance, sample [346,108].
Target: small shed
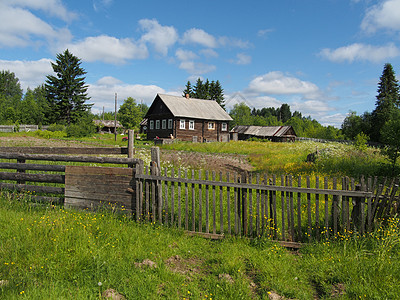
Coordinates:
[187,119]
[272,133]
[106,126]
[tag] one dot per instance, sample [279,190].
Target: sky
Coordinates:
[322,57]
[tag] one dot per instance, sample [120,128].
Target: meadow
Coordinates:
[48,252]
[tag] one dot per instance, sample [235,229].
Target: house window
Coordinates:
[191,125]
[157,124]
[182,124]
[224,127]
[151,124]
[169,123]
[164,124]
[211,125]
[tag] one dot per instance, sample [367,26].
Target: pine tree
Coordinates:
[387,103]
[67,91]
[188,90]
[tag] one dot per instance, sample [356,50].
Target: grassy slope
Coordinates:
[52,253]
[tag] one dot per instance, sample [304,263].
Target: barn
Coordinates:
[107,126]
[272,133]
[187,119]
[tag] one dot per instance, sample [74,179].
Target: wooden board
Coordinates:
[91,187]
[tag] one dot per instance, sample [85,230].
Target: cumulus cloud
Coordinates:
[277,83]
[361,52]
[30,73]
[161,37]
[53,7]
[183,55]
[209,53]
[384,15]
[108,49]
[196,68]
[102,93]
[242,59]
[199,36]
[14,32]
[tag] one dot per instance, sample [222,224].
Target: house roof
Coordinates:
[270,131]
[107,123]
[194,108]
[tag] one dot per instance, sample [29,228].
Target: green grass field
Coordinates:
[47,252]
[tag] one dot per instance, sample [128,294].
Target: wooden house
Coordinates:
[187,119]
[272,133]
[107,126]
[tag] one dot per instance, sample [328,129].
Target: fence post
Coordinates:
[244,204]
[131,146]
[156,170]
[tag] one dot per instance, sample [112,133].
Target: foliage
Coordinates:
[67,91]
[388,100]
[390,134]
[48,252]
[84,127]
[130,114]
[206,90]
[360,142]
[47,134]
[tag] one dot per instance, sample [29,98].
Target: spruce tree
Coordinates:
[188,90]
[387,102]
[67,91]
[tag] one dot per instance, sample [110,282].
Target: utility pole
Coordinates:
[115,119]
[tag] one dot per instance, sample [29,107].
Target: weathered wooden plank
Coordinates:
[207,206]
[88,159]
[91,170]
[335,206]
[66,150]
[166,208]
[221,208]
[244,206]
[236,205]
[263,187]
[179,201]
[200,203]
[250,206]
[283,236]
[292,233]
[49,178]
[206,235]
[228,204]
[32,188]
[37,167]
[214,205]
[258,207]
[299,232]
[72,194]
[326,209]
[172,197]
[275,216]
[193,204]
[186,203]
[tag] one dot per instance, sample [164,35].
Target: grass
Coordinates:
[335,159]
[48,252]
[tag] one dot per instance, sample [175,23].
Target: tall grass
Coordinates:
[47,252]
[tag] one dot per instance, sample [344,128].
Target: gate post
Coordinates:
[131,149]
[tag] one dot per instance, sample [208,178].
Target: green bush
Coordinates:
[56,127]
[83,128]
[51,134]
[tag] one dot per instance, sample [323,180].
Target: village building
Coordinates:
[106,126]
[187,119]
[272,133]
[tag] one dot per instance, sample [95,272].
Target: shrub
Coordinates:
[56,127]
[85,127]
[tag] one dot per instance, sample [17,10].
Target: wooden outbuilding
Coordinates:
[272,133]
[187,119]
[106,126]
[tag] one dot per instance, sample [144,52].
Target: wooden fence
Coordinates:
[284,208]
[281,207]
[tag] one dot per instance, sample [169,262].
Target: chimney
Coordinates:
[187,96]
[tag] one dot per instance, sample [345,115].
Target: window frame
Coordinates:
[182,124]
[151,124]
[211,125]
[191,124]
[224,126]
[157,124]
[170,123]
[164,124]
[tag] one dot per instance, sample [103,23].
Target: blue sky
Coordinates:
[322,57]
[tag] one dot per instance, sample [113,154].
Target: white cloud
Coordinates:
[196,68]
[30,73]
[335,120]
[102,93]
[226,41]
[15,32]
[199,36]
[264,32]
[209,53]
[361,52]
[242,59]
[277,83]
[161,37]
[53,7]
[184,55]
[385,15]
[108,49]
